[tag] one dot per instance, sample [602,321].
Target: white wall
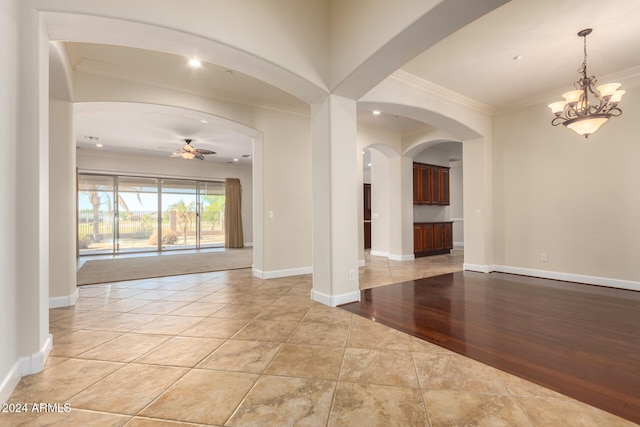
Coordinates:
[62,205]
[134,164]
[286,185]
[9,352]
[456,208]
[576,200]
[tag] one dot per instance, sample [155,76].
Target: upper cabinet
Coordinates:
[430,184]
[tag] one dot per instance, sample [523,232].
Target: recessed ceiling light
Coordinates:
[376,112]
[369,164]
[235,160]
[194,62]
[203,121]
[99,145]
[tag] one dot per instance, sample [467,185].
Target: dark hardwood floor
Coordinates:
[582,341]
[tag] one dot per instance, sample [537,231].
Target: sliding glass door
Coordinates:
[123,214]
[137,219]
[95,214]
[179,219]
[211,213]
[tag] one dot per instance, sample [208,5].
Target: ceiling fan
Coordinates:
[188,152]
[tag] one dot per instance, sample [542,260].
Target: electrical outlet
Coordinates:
[352,275]
[544,257]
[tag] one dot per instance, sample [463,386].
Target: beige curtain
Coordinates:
[232,214]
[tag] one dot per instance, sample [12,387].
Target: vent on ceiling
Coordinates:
[91,138]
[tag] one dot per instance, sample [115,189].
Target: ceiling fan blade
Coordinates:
[205,151]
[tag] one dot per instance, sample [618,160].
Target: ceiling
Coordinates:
[477,62]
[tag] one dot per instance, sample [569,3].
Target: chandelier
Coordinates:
[577,112]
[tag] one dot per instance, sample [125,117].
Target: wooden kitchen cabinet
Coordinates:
[432,238]
[367,216]
[430,184]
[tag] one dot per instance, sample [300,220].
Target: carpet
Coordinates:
[144,267]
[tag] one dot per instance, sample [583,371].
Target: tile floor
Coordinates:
[228,349]
[381,271]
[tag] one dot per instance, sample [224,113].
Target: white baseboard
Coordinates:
[568,277]
[379,253]
[35,363]
[458,244]
[556,275]
[25,366]
[335,300]
[274,274]
[393,257]
[64,301]
[410,257]
[9,382]
[477,267]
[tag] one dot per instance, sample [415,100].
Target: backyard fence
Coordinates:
[141,224]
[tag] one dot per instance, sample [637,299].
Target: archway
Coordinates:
[451,122]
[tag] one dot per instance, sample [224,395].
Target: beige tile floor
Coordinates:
[228,349]
[381,271]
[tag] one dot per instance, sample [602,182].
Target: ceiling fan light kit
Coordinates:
[577,112]
[188,152]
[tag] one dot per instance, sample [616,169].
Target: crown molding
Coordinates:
[442,92]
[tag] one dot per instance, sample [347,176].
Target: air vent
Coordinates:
[91,138]
[244,156]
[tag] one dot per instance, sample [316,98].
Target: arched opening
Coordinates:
[231,118]
[140,147]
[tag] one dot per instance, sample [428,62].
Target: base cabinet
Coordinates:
[432,238]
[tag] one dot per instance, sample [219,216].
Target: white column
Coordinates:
[401,213]
[62,213]
[478,205]
[32,198]
[381,204]
[335,199]
[9,78]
